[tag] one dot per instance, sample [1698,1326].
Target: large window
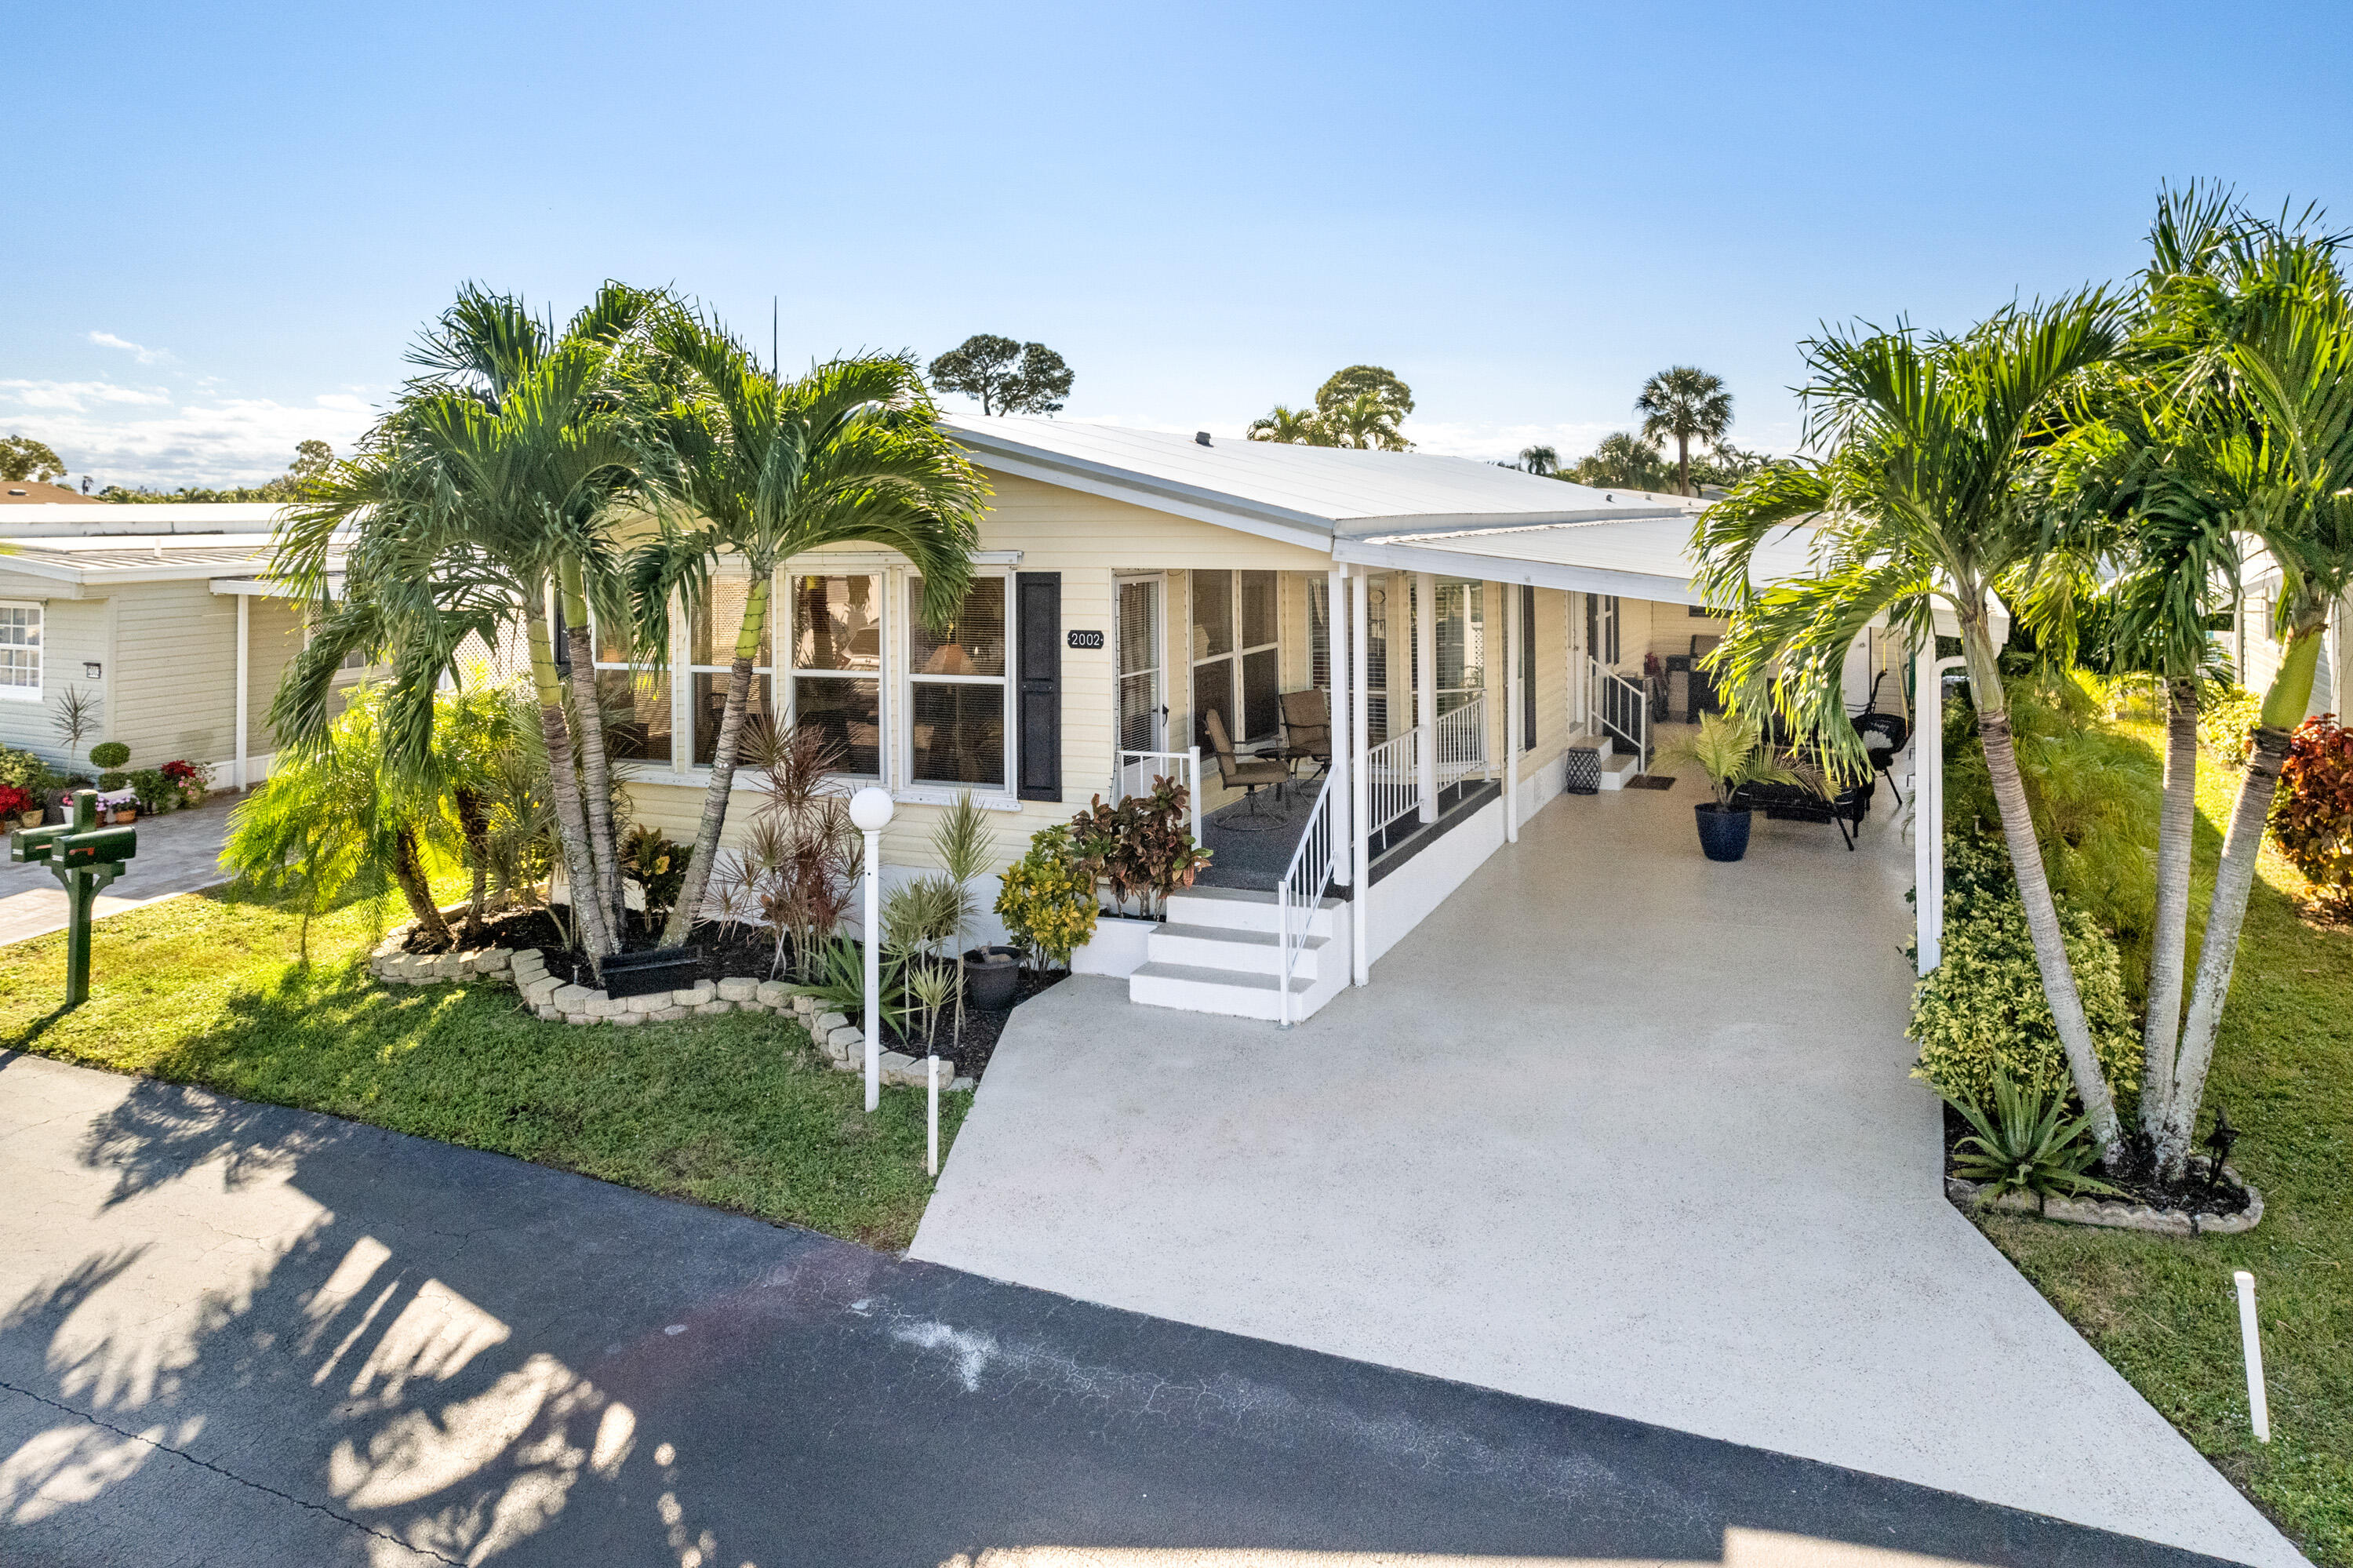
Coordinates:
[20,652]
[711,658]
[955,689]
[1235,668]
[837,659]
[1461,635]
[636,702]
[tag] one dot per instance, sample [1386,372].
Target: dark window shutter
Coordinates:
[1527,668]
[1592,626]
[1037,705]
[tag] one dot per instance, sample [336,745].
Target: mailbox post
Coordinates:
[85,857]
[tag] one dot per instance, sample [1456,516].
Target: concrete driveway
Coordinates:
[178,853]
[1617,1128]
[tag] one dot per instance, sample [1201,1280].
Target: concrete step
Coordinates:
[1616,770]
[1246,909]
[1243,952]
[1194,989]
[1592,740]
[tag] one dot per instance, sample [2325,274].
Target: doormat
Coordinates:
[1652,781]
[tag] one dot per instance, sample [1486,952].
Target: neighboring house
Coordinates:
[38,493]
[156,612]
[2254,648]
[1131,583]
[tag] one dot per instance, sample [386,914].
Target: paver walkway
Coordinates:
[238,1336]
[178,854]
[1617,1128]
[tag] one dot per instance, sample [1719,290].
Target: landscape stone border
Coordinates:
[526,969]
[2114,1213]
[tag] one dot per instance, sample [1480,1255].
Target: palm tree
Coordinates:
[763,471]
[1688,404]
[1295,426]
[490,487]
[1621,461]
[2260,444]
[1921,499]
[1542,461]
[1366,421]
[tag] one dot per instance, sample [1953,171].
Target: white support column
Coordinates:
[1360,785]
[1342,737]
[244,641]
[1512,632]
[1425,691]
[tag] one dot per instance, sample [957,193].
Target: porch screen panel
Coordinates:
[1462,639]
[837,659]
[1139,665]
[1527,652]
[1377,658]
[711,653]
[636,700]
[1319,634]
[1213,650]
[956,698]
[1261,670]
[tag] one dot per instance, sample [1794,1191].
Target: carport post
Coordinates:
[1360,805]
[1425,693]
[1512,632]
[244,627]
[1340,738]
[1928,801]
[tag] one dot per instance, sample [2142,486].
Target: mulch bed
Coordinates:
[2138,1180]
[739,950]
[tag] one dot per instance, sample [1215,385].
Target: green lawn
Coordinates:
[2163,1310]
[735,1111]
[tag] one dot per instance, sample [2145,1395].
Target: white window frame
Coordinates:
[901,685]
[11,692]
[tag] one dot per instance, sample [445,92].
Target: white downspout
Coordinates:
[1425,693]
[244,637]
[1360,807]
[1512,632]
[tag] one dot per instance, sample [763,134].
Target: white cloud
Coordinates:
[230,441]
[143,355]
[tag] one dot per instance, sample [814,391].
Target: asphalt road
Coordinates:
[233,1334]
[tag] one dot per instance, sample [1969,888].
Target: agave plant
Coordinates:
[2027,1144]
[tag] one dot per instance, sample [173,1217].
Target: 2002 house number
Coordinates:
[1086,639]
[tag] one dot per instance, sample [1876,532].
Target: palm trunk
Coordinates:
[2234,880]
[474,828]
[1683,464]
[2034,891]
[682,913]
[2170,937]
[596,762]
[588,923]
[408,871]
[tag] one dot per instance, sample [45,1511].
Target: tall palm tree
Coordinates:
[1366,421]
[1689,404]
[1922,499]
[763,471]
[490,486]
[1622,461]
[2260,445]
[1542,461]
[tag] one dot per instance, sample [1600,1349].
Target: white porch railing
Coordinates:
[1137,769]
[1623,710]
[1392,780]
[1302,885]
[1463,742]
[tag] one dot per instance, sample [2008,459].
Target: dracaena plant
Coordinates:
[2026,1142]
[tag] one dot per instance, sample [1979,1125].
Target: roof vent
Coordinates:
[1202,438]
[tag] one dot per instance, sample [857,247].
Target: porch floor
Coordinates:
[1617,1128]
[1250,848]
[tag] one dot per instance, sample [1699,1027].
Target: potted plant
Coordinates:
[19,807]
[157,794]
[194,780]
[1730,749]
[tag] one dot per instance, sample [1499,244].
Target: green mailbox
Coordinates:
[85,857]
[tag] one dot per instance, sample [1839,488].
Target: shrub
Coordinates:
[1143,846]
[21,770]
[156,792]
[14,803]
[112,779]
[657,865]
[2026,1142]
[2227,718]
[109,754]
[1048,899]
[2312,815]
[1981,1012]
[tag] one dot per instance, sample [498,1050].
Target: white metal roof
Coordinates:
[1303,495]
[1646,558]
[89,518]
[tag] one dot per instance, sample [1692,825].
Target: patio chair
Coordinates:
[1307,729]
[1248,775]
[1883,736]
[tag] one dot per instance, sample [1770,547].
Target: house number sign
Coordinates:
[1086,640]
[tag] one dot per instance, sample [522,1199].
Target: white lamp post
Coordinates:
[869,811]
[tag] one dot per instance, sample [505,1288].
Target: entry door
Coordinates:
[1143,675]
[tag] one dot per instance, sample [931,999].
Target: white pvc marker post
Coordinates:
[2257,1405]
[869,813]
[932,1144]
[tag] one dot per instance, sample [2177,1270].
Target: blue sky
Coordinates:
[228,223]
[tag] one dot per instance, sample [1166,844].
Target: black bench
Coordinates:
[1800,803]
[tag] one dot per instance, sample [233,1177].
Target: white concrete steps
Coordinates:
[1220,950]
[1616,769]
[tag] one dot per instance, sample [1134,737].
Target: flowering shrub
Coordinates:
[184,773]
[21,770]
[14,803]
[2312,815]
